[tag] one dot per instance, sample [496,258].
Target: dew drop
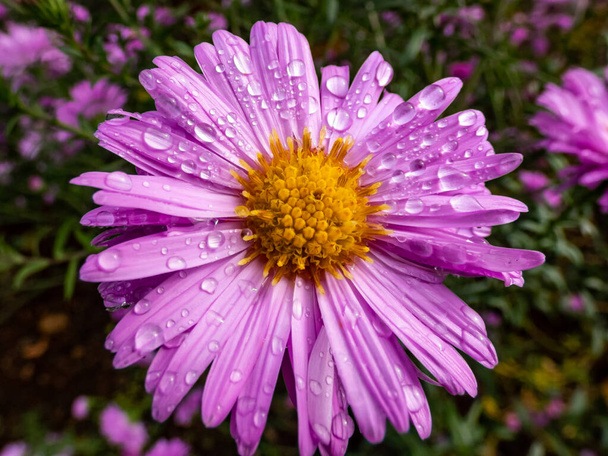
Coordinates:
[337,85]
[219,68]
[361,112]
[175,263]
[467,118]
[108,260]
[384,74]
[417,165]
[259,418]
[158,140]
[339,119]
[297,309]
[242,62]
[315,387]
[167,382]
[414,206]
[277,345]
[414,399]
[209,285]
[148,337]
[119,181]
[105,218]
[295,68]
[388,160]
[236,376]
[322,433]
[432,97]
[254,88]
[142,306]
[213,346]
[191,377]
[404,113]
[188,166]
[205,133]
[215,240]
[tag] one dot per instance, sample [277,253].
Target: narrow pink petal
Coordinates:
[170,309]
[176,249]
[160,194]
[347,326]
[253,404]
[166,151]
[213,329]
[214,72]
[231,370]
[184,96]
[157,367]
[442,211]
[373,119]
[121,216]
[304,330]
[333,90]
[409,116]
[392,306]
[355,320]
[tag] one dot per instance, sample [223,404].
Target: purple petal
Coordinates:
[127,216]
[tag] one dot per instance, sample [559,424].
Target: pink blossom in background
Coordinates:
[575,123]
[188,408]
[123,43]
[80,407]
[217,21]
[172,447]
[462,21]
[576,303]
[15,449]
[533,180]
[115,426]
[463,69]
[89,100]
[79,12]
[244,244]
[3,12]
[163,16]
[22,46]
[512,421]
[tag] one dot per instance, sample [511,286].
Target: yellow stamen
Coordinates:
[306,210]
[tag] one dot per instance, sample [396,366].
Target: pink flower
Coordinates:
[80,407]
[282,222]
[116,427]
[217,21]
[23,46]
[173,447]
[576,124]
[462,70]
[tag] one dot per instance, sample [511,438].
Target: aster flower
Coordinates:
[576,125]
[115,426]
[279,223]
[172,447]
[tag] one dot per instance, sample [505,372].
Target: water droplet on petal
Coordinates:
[242,62]
[414,206]
[342,426]
[254,88]
[142,307]
[215,240]
[388,160]
[297,309]
[205,133]
[432,97]
[191,377]
[158,140]
[236,376]
[213,346]
[414,398]
[277,345]
[188,166]
[322,433]
[209,285]
[404,113]
[295,68]
[465,203]
[384,74]
[467,118]
[339,119]
[119,181]
[148,337]
[175,263]
[167,382]
[108,260]
[259,418]
[315,387]
[337,85]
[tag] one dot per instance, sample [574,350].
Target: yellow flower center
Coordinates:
[306,210]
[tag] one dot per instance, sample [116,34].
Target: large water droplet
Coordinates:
[108,260]
[414,206]
[467,118]
[414,398]
[158,140]
[465,203]
[205,132]
[432,97]
[213,346]
[404,113]
[254,88]
[142,307]
[339,119]
[175,263]
[295,68]
[315,387]
[384,74]
[322,433]
[191,377]
[188,166]
[215,240]
[342,426]
[236,376]
[277,345]
[297,309]
[148,337]
[388,160]
[209,285]
[259,418]
[119,181]
[337,85]
[451,178]
[242,62]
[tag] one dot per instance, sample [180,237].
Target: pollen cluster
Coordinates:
[306,210]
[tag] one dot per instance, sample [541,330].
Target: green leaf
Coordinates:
[32,267]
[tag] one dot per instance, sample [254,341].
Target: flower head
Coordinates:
[115,426]
[276,222]
[576,124]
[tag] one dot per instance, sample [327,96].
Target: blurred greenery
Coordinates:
[550,335]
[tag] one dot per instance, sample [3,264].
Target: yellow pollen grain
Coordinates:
[306,210]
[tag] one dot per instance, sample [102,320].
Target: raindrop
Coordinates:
[229,269]
[417,165]
[191,377]
[213,346]
[277,345]
[175,263]
[339,119]
[118,180]
[166,382]
[297,309]
[404,113]
[384,74]
[467,118]
[342,426]
[242,62]
[209,285]
[259,418]
[322,433]
[236,376]
[450,146]
[451,178]
[205,132]
[414,399]
[215,240]
[337,85]
[104,218]
[295,68]
[148,337]
[254,88]
[108,260]
[465,203]
[361,112]
[414,206]
[219,68]
[158,140]
[432,97]
[142,307]
[388,160]
[315,387]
